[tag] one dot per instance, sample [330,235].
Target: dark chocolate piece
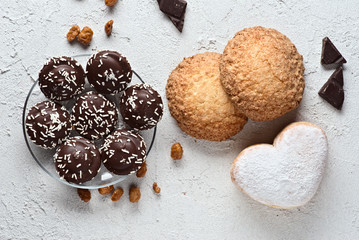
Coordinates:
[78,160]
[94,116]
[332,91]
[108,72]
[123,152]
[48,124]
[141,107]
[175,10]
[330,54]
[337,76]
[62,78]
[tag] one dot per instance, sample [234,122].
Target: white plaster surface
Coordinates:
[198,200]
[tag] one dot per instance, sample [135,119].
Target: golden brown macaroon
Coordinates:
[199,103]
[263,73]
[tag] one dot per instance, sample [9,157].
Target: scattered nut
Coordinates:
[108,27]
[176,151]
[73,33]
[105,190]
[156,188]
[85,36]
[142,171]
[135,194]
[117,194]
[84,194]
[110,3]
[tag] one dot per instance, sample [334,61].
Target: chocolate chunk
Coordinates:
[332,91]
[337,76]
[179,23]
[330,54]
[175,10]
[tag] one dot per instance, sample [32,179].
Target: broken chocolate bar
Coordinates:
[330,54]
[175,10]
[332,91]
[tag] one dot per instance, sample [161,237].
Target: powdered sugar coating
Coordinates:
[286,174]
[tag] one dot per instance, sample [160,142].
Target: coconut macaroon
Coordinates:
[198,102]
[286,174]
[263,73]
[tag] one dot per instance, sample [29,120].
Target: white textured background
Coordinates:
[198,200]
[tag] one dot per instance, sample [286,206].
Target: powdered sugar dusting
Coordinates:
[288,173]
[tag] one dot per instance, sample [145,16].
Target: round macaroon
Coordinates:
[123,152]
[198,102]
[263,73]
[108,72]
[94,116]
[62,78]
[141,107]
[48,124]
[77,160]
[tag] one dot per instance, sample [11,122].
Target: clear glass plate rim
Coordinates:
[43,168]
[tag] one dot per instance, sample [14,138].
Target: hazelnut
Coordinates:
[156,188]
[85,36]
[142,171]
[110,3]
[105,190]
[176,151]
[84,194]
[117,194]
[108,27]
[135,194]
[73,33]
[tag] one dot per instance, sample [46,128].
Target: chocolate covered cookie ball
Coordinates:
[108,72]
[141,107]
[94,116]
[61,78]
[48,124]
[123,152]
[77,160]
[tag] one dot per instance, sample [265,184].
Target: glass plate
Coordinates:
[44,157]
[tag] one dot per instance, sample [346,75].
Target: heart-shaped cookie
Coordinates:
[286,174]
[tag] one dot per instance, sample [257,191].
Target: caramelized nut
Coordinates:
[108,27]
[105,190]
[156,188]
[84,194]
[176,151]
[117,194]
[85,36]
[73,33]
[110,3]
[142,171]
[135,194]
